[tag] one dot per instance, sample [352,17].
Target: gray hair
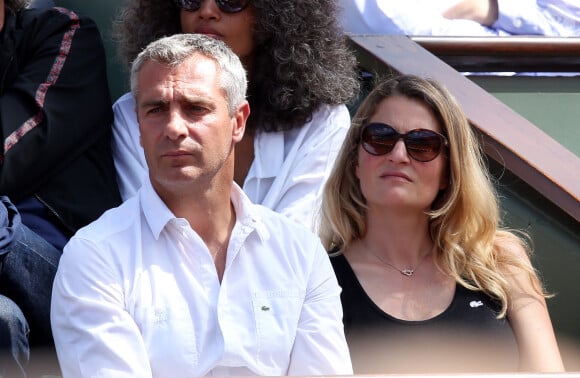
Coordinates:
[175,49]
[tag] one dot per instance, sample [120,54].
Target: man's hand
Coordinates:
[484,12]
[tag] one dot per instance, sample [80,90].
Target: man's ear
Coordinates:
[240,118]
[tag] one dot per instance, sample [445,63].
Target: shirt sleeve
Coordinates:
[410,17]
[539,17]
[297,190]
[56,100]
[128,154]
[320,346]
[94,335]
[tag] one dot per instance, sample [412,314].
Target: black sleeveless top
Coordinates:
[466,337]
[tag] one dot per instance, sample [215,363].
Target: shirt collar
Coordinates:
[157,214]
[269,153]
[247,213]
[155,210]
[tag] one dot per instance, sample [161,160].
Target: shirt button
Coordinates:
[518,23]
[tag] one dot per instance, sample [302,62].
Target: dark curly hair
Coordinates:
[301,57]
[16,5]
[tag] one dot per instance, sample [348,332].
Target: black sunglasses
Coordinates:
[226,6]
[421,144]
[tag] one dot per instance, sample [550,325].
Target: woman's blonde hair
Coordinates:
[464,218]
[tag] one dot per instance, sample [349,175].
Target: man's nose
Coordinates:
[177,126]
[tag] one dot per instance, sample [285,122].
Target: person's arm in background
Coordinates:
[411,17]
[522,17]
[2,15]
[530,320]
[483,12]
[54,100]
[462,17]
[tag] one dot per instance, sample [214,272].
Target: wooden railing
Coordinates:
[506,375]
[506,54]
[510,139]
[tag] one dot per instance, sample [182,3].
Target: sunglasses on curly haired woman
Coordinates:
[226,6]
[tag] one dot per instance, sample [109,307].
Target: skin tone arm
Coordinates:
[530,321]
[1,15]
[484,12]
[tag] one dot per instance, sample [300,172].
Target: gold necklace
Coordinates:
[408,272]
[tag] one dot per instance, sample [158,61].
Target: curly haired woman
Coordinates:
[431,282]
[300,74]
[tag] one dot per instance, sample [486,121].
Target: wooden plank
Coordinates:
[506,54]
[508,138]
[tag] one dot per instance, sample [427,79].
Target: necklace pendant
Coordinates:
[408,272]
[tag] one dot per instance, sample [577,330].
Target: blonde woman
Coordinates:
[431,283]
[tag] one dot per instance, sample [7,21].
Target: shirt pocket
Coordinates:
[276,315]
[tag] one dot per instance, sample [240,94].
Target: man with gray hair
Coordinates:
[188,277]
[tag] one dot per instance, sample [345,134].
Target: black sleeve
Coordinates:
[57,102]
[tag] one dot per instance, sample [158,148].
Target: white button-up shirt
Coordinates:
[137,295]
[424,17]
[289,168]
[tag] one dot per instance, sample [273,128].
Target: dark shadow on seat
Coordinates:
[41,4]
[103,13]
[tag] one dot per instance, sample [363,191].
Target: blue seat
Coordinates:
[103,12]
